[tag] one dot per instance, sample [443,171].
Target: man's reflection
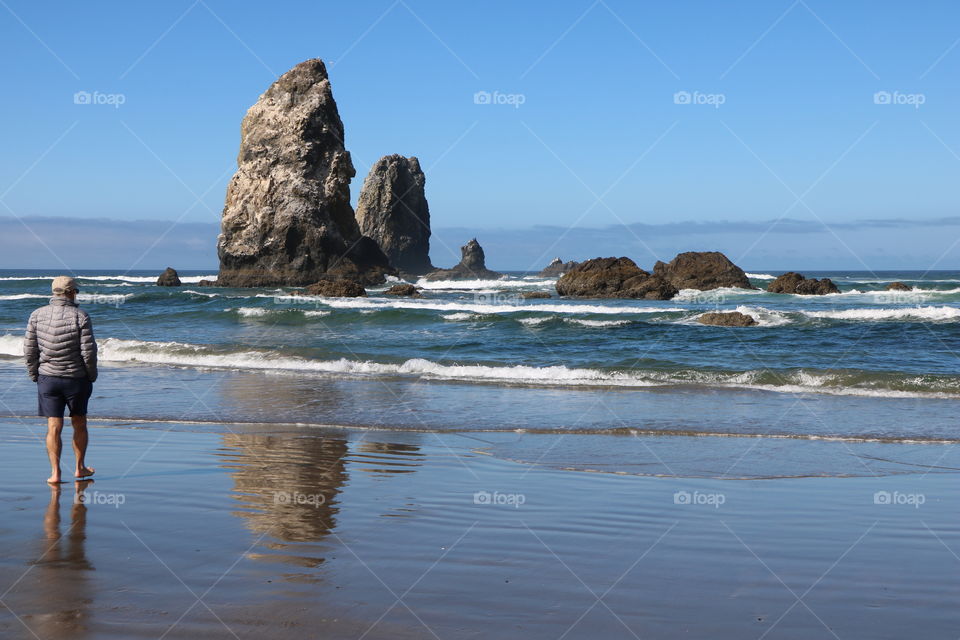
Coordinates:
[61,570]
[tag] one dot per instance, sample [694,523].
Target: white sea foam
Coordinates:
[91,298]
[597,323]
[765,317]
[437,305]
[534,322]
[259,312]
[497,285]
[205,294]
[940,314]
[460,316]
[713,296]
[761,276]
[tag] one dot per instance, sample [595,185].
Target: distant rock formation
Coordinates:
[393,210]
[792,282]
[703,270]
[406,290]
[727,319]
[897,286]
[533,295]
[613,278]
[336,288]
[557,268]
[473,266]
[169,278]
[287,218]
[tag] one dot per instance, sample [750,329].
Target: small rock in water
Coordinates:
[529,295]
[337,289]
[727,319]
[613,278]
[403,290]
[897,286]
[169,278]
[793,282]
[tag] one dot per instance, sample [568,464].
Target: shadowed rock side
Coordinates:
[169,278]
[473,266]
[792,282]
[727,319]
[897,286]
[703,270]
[287,218]
[557,268]
[613,278]
[336,288]
[393,210]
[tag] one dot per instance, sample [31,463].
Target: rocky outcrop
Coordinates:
[727,319]
[287,219]
[534,295]
[392,209]
[336,288]
[613,278]
[792,282]
[472,266]
[897,286]
[703,270]
[169,278]
[207,283]
[557,268]
[407,290]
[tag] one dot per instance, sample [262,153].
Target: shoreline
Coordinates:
[292,532]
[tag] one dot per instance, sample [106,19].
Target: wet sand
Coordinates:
[350,534]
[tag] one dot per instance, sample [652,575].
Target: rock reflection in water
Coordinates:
[290,483]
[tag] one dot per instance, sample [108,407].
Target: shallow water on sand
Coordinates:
[400,534]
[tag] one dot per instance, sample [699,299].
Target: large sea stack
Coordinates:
[703,270]
[393,210]
[287,220]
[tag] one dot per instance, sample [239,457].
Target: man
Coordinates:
[61,358]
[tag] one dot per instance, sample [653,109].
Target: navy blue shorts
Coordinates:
[54,394]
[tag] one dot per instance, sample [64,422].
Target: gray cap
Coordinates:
[64,284]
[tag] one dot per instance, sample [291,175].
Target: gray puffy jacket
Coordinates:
[59,342]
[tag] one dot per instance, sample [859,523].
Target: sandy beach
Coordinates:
[357,534]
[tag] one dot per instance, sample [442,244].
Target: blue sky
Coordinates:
[782,119]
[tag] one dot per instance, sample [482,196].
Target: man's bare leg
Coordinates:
[54,448]
[80,438]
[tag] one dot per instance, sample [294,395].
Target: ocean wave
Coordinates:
[761,276]
[460,316]
[436,305]
[799,381]
[496,285]
[259,312]
[937,314]
[713,296]
[597,323]
[92,298]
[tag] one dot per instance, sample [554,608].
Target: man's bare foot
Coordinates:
[54,479]
[84,472]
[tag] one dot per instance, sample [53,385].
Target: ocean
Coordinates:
[472,356]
